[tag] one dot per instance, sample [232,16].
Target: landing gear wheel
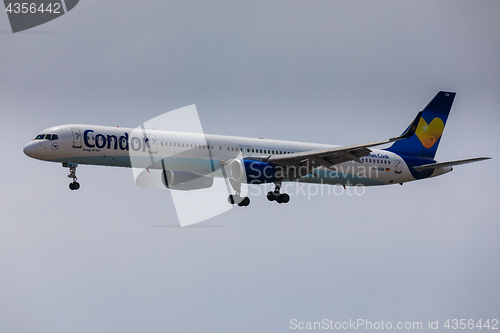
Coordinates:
[74,186]
[245,202]
[71,186]
[279,198]
[236,199]
[271,196]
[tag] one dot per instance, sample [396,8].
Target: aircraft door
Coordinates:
[152,144]
[77,138]
[248,150]
[398,164]
[242,150]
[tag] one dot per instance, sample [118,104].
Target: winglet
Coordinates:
[410,130]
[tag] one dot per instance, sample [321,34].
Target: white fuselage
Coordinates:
[202,154]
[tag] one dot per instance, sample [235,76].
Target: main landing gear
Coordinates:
[74,185]
[237,198]
[277,196]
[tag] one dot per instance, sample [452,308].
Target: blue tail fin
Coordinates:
[430,128]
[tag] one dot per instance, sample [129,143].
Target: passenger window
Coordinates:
[248,150]
[220,147]
[253,150]
[48,137]
[54,137]
[261,151]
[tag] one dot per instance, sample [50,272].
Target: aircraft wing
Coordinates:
[331,157]
[446,164]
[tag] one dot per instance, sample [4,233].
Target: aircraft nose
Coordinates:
[31,149]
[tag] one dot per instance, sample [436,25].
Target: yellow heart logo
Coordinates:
[429,134]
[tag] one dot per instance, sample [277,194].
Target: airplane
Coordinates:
[190,161]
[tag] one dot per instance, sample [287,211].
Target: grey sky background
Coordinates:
[108,258]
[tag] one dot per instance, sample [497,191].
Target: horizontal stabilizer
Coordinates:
[446,164]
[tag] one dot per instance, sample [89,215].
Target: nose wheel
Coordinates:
[74,185]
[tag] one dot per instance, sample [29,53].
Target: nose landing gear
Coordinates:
[74,185]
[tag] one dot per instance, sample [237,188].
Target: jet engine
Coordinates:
[252,172]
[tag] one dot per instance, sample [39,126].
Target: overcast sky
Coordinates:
[109,257]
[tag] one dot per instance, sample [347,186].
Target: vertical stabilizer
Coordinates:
[429,130]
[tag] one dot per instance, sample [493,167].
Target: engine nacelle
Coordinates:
[183,180]
[252,172]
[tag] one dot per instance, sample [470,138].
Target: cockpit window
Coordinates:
[40,137]
[54,137]
[48,136]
